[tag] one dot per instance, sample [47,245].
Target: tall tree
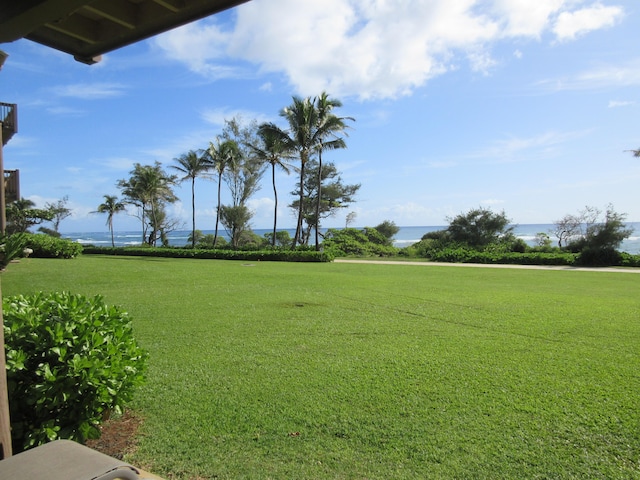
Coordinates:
[479,227]
[235,219]
[223,155]
[192,165]
[22,215]
[149,188]
[329,127]
[272,150]
[111,206]
[59,210]
[567,227]
[335,195]
[243,176]
[302,137]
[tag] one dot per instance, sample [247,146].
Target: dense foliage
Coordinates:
[11,247]
[352,241]
[149,188]
[334,195]
[47,246]
[304,254]
[70,361]
[22,215]
[481,236]
[479,227]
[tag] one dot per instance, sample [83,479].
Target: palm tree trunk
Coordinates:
[113,243]
[319,196]
[193,212]
[144,224]
[299,225]
[215,236]
[154,224]
[275,198]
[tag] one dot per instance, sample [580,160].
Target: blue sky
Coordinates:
[514,105]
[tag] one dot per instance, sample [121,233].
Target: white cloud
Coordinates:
[481,62]
[217,116]
[90,91]
[372,48]
[66,111]
[571,24]
[620,103]
[517,149]
[525,17]
[116,163]
[200,45]
[603,76]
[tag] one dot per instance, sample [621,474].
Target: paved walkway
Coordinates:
[483,265]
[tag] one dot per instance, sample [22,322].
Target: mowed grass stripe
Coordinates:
[272,370]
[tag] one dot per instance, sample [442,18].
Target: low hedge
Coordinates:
[463,255]
[248,255]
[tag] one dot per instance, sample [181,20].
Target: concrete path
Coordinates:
[482,265]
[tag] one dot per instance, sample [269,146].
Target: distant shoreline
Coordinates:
[406,235]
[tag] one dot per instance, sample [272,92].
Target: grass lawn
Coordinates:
[354,371]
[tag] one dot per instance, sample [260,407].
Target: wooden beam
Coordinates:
[23,17]
[80,28]
[5,424]
[123,13]
[173,5]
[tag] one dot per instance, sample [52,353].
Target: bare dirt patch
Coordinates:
[118,436]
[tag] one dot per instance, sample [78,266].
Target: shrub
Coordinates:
[283,239]
[300,254]
[351,241]
[12,246]
[388,229]
[70,361]
[46,246]
[629,260]
[599,257]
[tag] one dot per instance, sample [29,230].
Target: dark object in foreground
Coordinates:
[65,460]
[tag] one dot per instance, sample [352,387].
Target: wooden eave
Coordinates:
[87,29]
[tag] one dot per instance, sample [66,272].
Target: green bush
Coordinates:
[599,257]
[70,361]
[46,246]
[629,260]
[433,251]
[351,241]
[302,254]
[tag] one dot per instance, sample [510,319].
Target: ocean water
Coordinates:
[405,236]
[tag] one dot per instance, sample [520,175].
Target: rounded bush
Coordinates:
[599,257]
[46,246]
[71,360]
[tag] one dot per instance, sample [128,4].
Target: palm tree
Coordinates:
[222,155]
[302,117]
[192,165]
[149,187]
[329,126]
[275,152]
[111,206]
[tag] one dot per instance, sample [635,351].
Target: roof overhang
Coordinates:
[87,29]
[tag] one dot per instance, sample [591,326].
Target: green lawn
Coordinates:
[350,371]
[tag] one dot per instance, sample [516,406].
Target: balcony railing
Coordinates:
[9,119]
